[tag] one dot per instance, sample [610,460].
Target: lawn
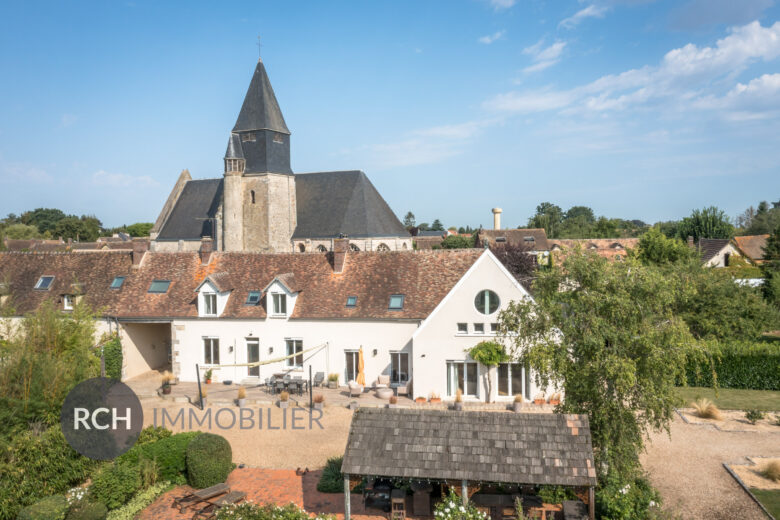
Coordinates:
[770,498]
[733,399]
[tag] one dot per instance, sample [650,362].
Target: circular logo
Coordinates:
[101,418]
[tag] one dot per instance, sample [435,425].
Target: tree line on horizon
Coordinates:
[52,223]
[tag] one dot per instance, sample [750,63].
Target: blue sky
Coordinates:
[639,109]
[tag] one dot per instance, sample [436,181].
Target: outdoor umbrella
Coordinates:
[361,378]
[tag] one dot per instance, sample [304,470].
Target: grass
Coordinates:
[771,471]
[705,408]
[770,498]
[733,399]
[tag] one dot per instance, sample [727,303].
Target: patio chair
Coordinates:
[279,387]
[382,382]
[210,510]
[319,378]
[355,389]
[198,496]
[404,388]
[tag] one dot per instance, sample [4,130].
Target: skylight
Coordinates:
[396,302]
[253,298]
[159,286]
[44,282]
[118,281]
[351,301]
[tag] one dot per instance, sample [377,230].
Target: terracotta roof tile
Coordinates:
[752,246]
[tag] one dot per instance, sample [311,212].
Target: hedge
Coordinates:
[115,484]
[169,453]
[112,354]
[139,502]
[250,511]
[209,460]
[49,508]
[331,479]
[745,365]
[86,510]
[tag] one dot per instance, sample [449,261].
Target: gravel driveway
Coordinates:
[688,470]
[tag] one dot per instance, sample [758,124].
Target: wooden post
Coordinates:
[346,498]
[464,492]
[591,503]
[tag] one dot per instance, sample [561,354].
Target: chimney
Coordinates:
[140,247]
[690,241]
[340,248]
[206,248]
[497,218]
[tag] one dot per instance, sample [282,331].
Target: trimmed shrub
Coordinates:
[332,480]
[746,365]
[753,416]
[169,453]
[115,484]
[35,466]
[49,508]
[250,511]
[209,460]
[139,502]
[86,510]
[620,500]
[152,434]
[112,353]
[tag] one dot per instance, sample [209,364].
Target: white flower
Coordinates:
[462,509]
[446,509]
[652,503]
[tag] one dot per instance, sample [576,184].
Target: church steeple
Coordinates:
[260,136]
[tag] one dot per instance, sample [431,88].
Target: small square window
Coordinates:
[44,282]
[463,328]
[494,327]
[118,282]
[67,302]
[351,301]
[159,286]
[479,328]
[253,298]
[396,302]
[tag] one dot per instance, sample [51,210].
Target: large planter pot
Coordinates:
[333,385]
[517,406]
[208,381]
[241,402]
[420,400]
[555,402]
[457,406]
[435,400]
[284,404]
[539,401]
[166,389]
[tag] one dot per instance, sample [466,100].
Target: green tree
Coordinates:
[656,248]
[548,216]
[606,228]
[21,231]
[84,229]
[765,220]
[771,268]
[613,341]
[583,213]
[709,222]
[489,354]
[409,219]
[45,219]
[437,225]
[140,229]
[424,226]
[457,242]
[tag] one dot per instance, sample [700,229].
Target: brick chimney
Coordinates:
[140,247]
[497,218]
[206,248]
[340,248]
[690,241]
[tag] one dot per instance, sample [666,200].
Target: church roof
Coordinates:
[191,217]
[234,149]
[260,110]
[332,203]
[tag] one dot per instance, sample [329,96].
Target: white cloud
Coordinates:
[26,172]
[543,57]
[758,99]
[120,180]
[591,11]
[684,76]
[502,4]
[490,38]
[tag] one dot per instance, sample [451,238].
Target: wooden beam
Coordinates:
[346,497]
[464,492]
[591,503]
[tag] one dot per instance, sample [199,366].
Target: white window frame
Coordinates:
[476,328]
[252,341]
[296,343]
[486,309]
[68,301]
[452,379]
[209,297]
[354,355]
[399,354]
[39,283]
[276,299]
[512,366]
[211,345]
[462,332]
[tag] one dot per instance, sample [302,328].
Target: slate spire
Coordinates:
[260,110]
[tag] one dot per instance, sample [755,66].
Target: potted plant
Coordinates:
[203,396]
[241,397]
[458,400]
[207,376]
[555,399]
[434,398]
[393,402]
[167,377]
[333,381]
[284,399]
[318,401]
[420,400]
[518,404]
[539,399]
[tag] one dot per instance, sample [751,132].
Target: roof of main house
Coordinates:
[515,237]
[524,448]
[710,247]
[752,246]
[424,277]
[328,203]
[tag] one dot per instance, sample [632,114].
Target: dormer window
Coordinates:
[248,137]
[253,298]
[209,304]
[528,239]
[67,302]
[278,138]
[44,283]
[396,302]
[351,301]
[500,240]
[279,304]
[118,282]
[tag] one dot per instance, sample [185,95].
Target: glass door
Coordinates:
[352,365]
[399,363]
[462,375]
[253,356]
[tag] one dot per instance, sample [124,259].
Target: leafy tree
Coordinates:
[670,228]
[517,260]
[606,228]
[548,216]
[437,225]
[409,219]
[765,220]
[490,354]
[583,213]
[424,226]
[613,341]
[709,222]
[656,248]
[771,268]
[85,229]
[457,242]
[45,219]
[21,231]
[139,229]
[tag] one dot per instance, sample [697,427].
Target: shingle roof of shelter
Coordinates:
[518,448]
[191,217]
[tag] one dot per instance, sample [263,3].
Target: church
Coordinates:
[261,205]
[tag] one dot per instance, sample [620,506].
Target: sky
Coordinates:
[638,109]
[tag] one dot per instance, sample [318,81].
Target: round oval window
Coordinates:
[486,302]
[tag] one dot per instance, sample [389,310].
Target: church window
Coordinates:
[302,248]
[353,247]
[249,136]
[278,139]
[322,249]
[382,248]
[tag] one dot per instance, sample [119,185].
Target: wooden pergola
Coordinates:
[470,449]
